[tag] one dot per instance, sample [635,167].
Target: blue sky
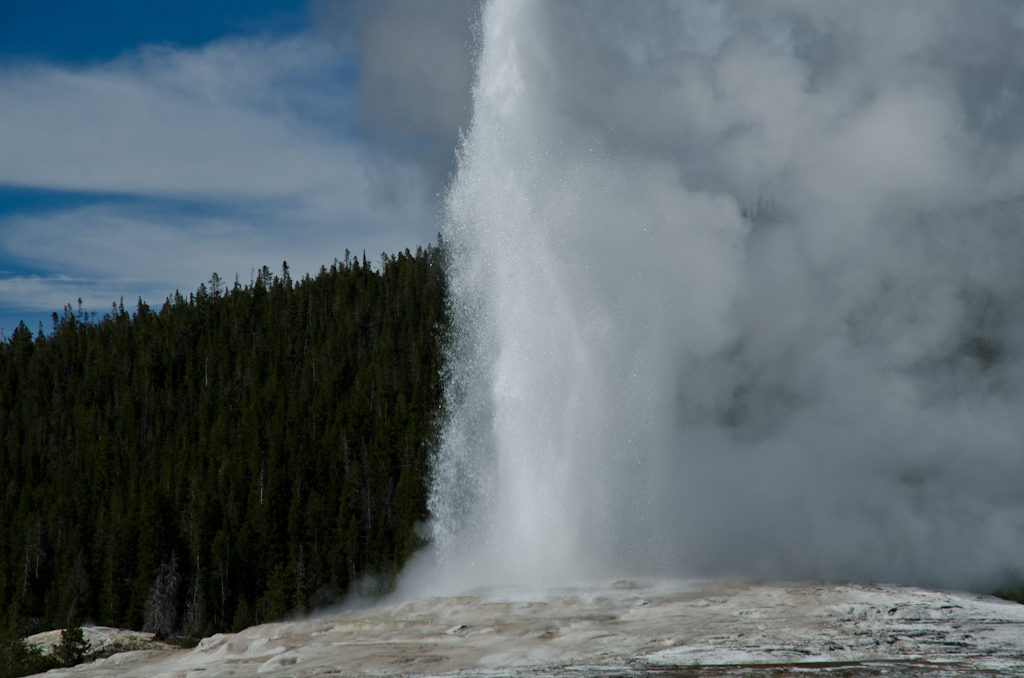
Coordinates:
[81,32]
[146,145]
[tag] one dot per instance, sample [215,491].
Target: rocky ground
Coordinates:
[623,628]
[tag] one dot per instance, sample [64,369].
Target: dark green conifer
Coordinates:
[269,440]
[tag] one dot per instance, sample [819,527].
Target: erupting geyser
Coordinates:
[737,290]
[655,371]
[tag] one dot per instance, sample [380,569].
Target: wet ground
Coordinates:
[626,628]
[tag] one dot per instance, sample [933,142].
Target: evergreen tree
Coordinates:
[261,447]
[73,647]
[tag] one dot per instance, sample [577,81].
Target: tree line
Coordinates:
[233,457]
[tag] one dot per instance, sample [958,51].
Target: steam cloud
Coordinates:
[655,371]
[412,93]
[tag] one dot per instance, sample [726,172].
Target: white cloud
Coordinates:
[208,123]
[127,243]
[235,155]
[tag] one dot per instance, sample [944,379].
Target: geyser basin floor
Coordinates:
[629,627]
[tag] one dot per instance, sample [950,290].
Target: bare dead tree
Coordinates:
[161,614]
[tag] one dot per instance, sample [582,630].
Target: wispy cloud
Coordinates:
[234,155]
[240,117]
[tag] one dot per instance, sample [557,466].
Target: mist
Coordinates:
[736,292]
[412,90]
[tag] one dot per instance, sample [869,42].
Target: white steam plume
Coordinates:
[654,372]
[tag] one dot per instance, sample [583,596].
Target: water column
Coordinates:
[575,273]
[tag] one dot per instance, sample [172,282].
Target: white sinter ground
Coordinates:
[625,627]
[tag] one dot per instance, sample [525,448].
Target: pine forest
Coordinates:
[236,456]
